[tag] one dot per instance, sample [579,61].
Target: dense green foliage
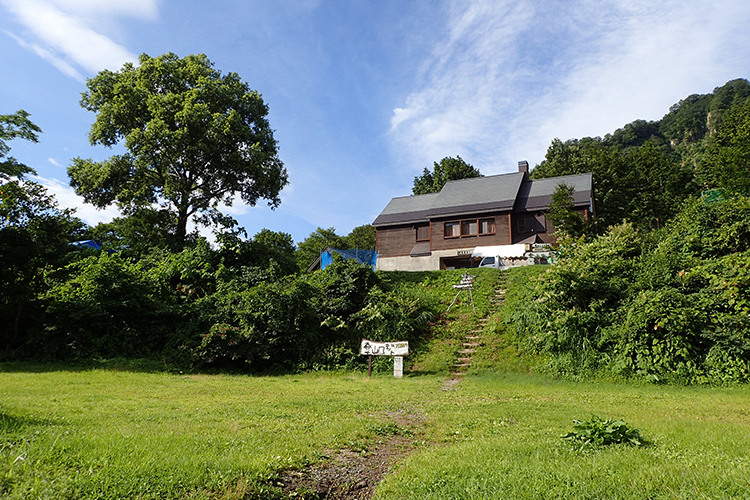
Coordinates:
[195,139]
[448,169]
[665,305]
[205,308]
[15,126]
[34,237]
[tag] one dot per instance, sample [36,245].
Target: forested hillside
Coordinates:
[644,171]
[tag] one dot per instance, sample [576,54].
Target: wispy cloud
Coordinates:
[63,31]
[49,56]
[464,84]
[506,78]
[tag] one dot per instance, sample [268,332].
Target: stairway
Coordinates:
[471,342]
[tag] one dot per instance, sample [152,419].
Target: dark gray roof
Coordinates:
[480,194]
[537,194]
[406,209]
[494,193]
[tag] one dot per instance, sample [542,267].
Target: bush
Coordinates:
[106,308]
[310,321]
[598,432]
[667,305]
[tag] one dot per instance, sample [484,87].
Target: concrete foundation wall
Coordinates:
[406,263]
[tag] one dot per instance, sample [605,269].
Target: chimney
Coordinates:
[523,166]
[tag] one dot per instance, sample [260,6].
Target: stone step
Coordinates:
[467,351]
[471,344]
[461,365]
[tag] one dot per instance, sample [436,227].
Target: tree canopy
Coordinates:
[15,126]
[726,164]
[195,139]
[320,239]
[448,169]
[562,212]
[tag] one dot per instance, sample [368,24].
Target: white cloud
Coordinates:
[506,78]
[67,198]
[464,83]
[62,31]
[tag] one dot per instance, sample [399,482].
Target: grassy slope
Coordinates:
[110,434]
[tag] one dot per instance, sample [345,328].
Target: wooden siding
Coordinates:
[396,241]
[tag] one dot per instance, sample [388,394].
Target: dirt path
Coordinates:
[347,475]
[354,475]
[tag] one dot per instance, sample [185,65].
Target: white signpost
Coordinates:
[396,349]
[398,366]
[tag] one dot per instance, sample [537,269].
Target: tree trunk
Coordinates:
[182,221]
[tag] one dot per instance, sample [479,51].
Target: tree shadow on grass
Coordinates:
[15,424]
[138,365]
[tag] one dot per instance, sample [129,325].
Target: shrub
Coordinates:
[106,308]
[668,305]
[598,432]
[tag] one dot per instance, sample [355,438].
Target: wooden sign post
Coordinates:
[396,349]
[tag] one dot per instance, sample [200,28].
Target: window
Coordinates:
[521,225]
[469,227]
[423,232]
[487,226]
[452,230]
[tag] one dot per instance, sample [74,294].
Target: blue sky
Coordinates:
[363,95]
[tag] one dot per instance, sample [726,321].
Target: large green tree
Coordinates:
[195,139]
[362,237]
[562,212]
[448,169]
[320,239]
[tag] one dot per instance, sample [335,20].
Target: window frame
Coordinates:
[476,222]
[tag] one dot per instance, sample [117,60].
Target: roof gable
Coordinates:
[537,193]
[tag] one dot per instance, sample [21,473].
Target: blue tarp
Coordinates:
[362,256]
[88,243]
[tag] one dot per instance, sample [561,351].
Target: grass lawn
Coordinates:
[117,434]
